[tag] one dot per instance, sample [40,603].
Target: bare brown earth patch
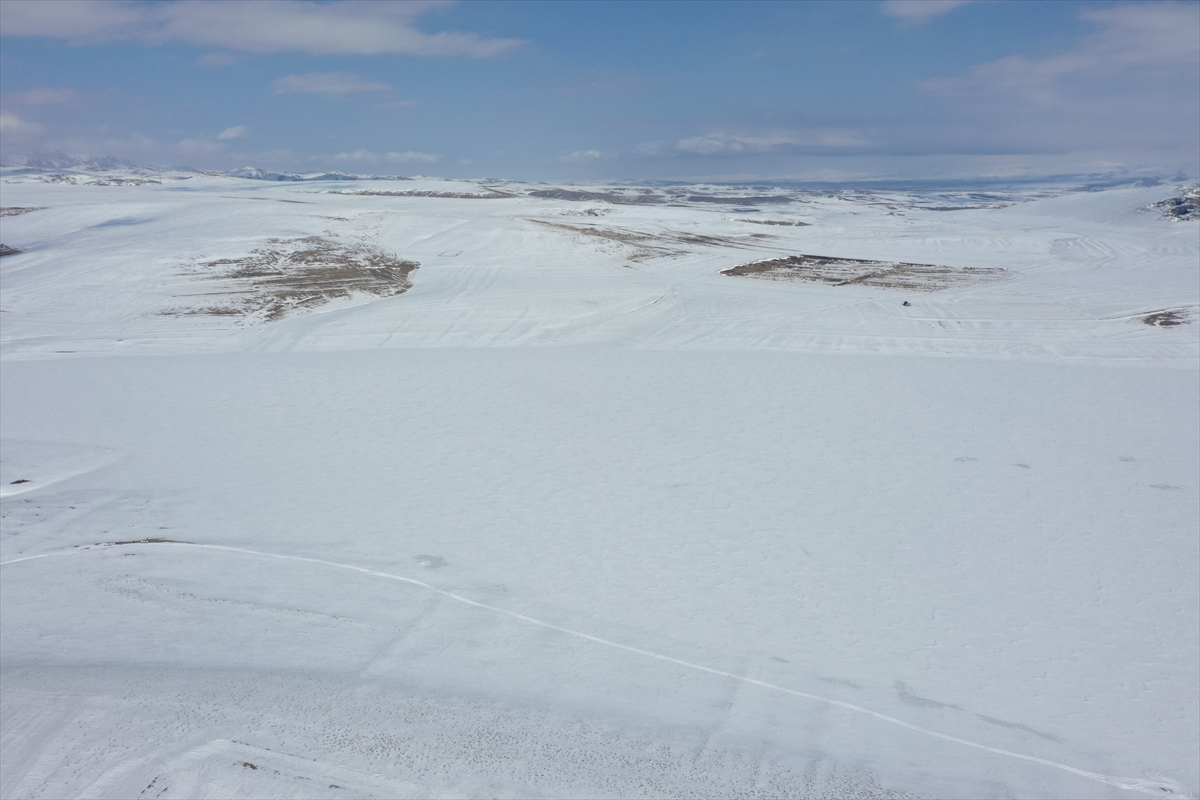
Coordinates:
[269,199]
[85,180]
[490,194]
[794,223]
[628,196]
[1168,318]
[617,198]
[12,211]
[296,275]
[645,246]
[854,271]
[734,200]
[1185,206]
[652,245]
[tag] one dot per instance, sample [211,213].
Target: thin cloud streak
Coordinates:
[722,145]
[13,125]
[1134,85]
[326,83]
[364,156]
[1144,36]
[348,28]
[581,157]
[919,10]
[409,157]
[44,96]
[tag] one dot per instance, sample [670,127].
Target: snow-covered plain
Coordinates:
[575,514]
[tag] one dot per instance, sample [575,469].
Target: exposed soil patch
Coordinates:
[296,275]
[854,271]
[1168,318]
[963,208]
[643,244]
[126,182]
[575,212]
[648,197]
[269,199]
[12,211]
[639,199]
[490,194]
[85,180]
[795,223]
[143,541]
[1185,206]
[753,200]
[651,245]
[5,250]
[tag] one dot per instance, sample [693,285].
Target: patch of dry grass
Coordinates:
[652,245]
[794,223]
[641,243]
[1168,318]
[488,194]
[294,275]
[854,271]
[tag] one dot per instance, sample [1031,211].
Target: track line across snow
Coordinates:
[1161,787]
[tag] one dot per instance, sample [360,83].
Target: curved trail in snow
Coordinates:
[1161,787]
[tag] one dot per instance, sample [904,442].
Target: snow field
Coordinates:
[975,516]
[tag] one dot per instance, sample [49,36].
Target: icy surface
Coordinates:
[566,511]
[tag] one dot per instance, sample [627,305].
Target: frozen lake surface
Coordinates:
[566,511]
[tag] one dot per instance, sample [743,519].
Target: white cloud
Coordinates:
[581,157]
[652,149]
[134,143]
[281,159]
[362,155]
[44,96]
[1146,35]
[326,83]
[72,19]
[357,156]
[721,145]
[352,28]
[919,10]
[1131,87]
[604,84]
[199,147]
[715,145]
[207,145]
[410,157]
[15,126]
[216,60]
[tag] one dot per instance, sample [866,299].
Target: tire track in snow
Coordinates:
[1161,787]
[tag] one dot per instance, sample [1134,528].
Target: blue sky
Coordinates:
[610,90]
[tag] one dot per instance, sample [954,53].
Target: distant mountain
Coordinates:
[1184,206]
[59,160]
[56,161]
[254,173]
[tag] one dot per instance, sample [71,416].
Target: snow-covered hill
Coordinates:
[59,161]
[254,173]
[466,488]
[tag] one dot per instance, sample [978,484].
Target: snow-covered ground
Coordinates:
[566,511]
